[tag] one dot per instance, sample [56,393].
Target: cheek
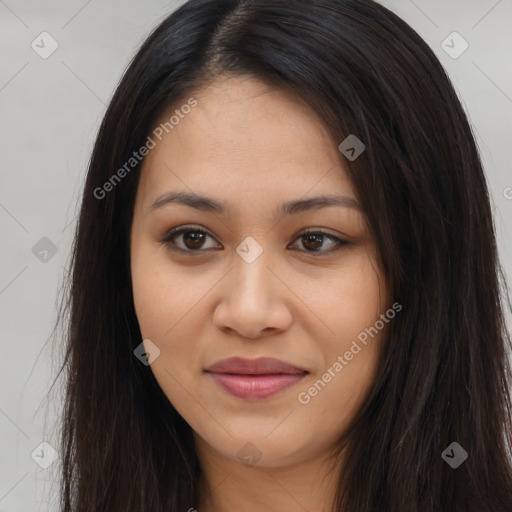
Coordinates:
[346,301]
[161,295]
[170,308]
[350,307]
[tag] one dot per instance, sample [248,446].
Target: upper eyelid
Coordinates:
[183,229]
[179,230]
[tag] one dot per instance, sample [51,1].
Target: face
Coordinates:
[258,270]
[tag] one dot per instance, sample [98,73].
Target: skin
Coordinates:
[254,147]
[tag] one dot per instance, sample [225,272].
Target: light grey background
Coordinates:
[50,112]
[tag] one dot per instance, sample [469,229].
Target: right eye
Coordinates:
[192,239]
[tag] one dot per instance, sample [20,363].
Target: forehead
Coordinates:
[245,135]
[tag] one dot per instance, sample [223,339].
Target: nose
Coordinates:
[254,300]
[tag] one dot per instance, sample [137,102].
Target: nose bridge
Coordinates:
[252,275]
[252,302]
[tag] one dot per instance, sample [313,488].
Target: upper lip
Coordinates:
[259,366]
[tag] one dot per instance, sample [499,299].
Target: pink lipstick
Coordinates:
[254,379]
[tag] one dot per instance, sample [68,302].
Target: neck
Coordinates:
[228,485]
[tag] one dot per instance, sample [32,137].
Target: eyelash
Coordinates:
[167,240]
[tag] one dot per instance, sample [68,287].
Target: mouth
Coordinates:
[254,379]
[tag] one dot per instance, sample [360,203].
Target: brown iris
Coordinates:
[313,241]
[196,239]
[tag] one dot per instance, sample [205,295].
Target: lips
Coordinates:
[260,366]
[254,379]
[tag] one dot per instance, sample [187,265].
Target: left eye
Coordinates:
[192,240]
[314,240]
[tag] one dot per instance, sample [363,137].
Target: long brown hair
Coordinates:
[444,377]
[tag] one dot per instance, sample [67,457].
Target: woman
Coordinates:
[285,289]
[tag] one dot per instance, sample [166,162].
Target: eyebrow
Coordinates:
[208,204]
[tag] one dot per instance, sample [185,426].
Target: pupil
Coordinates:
[312,239]
[197,239]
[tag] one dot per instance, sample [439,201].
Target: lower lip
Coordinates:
[255,387]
